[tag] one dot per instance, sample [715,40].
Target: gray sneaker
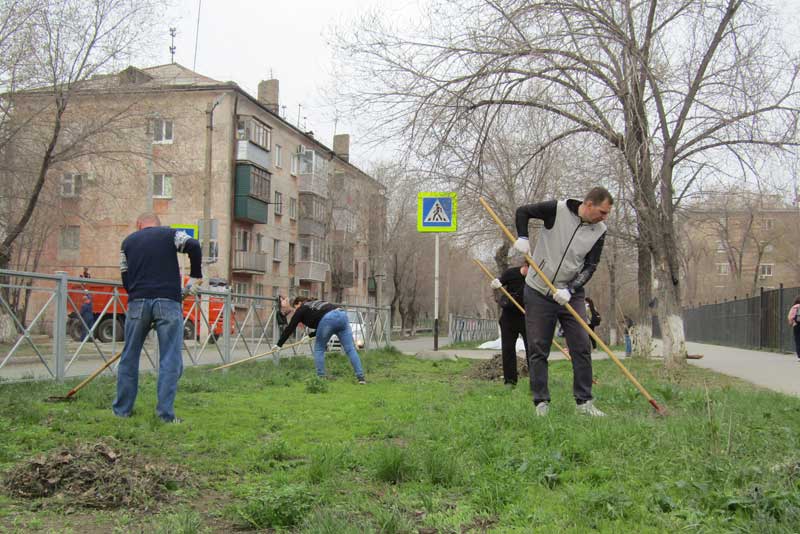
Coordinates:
[542,408]
[588,408]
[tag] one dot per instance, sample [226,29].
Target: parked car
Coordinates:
[359,332]
[104,331]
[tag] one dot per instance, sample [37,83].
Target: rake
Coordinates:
[71,395]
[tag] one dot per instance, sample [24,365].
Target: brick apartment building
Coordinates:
[288,215]
[736,244]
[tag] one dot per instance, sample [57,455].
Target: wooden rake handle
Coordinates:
[276,349]
[92,376]
[575,314]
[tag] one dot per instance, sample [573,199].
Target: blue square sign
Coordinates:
[436,212]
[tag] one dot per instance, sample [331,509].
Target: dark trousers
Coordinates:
[541,315]
[796,329]
[512,324]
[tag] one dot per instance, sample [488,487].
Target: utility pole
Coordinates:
[206,237]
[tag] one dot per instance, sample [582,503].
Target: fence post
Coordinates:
[780,317]
[60,325]
[762,326]
[226,327]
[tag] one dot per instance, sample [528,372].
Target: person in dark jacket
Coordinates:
[567,251]
[512,320]
[151,276]
[594,318]
[87,314]
[326,319]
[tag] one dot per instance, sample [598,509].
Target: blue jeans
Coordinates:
[165,315]
[335,322]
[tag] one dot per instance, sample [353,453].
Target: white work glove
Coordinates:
[193,286]
[522,245]
[496,283]
[562,296]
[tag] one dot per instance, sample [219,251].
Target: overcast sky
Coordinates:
[246,41]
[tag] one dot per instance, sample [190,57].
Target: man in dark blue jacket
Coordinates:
[151,276]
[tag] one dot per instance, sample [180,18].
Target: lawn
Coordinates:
[423,448]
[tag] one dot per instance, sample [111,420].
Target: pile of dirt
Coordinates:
[493,369]
[95,476]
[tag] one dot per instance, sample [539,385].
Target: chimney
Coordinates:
[341,146]
[268,94]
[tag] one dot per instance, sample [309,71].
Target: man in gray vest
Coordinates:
[567,251]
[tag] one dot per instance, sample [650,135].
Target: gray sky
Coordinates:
[250,40]
[246,41]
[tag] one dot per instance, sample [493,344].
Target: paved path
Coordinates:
[776,371]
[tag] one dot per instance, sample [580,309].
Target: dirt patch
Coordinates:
[493,369]
[96,476]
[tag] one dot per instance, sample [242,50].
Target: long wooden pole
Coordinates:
[575,314]
[92,376]
[276,349]
[517,304]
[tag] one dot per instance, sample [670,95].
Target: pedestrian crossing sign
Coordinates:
[436,212]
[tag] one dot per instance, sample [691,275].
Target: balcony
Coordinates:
[309,226]
[372,284]
[249,262]
[313,173]
[250,210]
[252,192]
[311,270]
[248,151]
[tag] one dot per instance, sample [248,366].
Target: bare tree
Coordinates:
[673,86]
[63,46]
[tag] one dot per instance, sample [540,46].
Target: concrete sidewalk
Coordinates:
[772,370]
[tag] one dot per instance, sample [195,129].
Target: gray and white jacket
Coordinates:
[567,250]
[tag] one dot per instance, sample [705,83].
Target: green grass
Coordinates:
[422,446]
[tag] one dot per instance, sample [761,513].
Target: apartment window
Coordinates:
[723,269]
[71,185]
[291,254]
[162,130]
[254,131]
[278,203]
[364,270]
[295,163]
[278,156]
[765,269]
[292,208]
[242,240]
[276,290]
[70,238]
[260,243]
[769,248]
[259,290]
[768,224]
[259,184]
[721,246]
[276,250]
[355,269]
[162,186]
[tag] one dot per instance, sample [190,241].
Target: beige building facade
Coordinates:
[281,205]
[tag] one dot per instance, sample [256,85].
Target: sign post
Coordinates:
[436,212]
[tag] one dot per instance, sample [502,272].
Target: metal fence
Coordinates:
[53,341]
[757,322]
[462,328]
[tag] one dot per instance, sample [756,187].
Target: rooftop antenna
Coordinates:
[335,122]
[172,32]
[298,114]
[197,33]
[283,108]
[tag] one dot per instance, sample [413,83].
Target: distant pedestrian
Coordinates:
[794,322]
[627,333]
[594,319]
[87,314]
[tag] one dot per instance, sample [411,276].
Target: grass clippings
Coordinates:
[95,476]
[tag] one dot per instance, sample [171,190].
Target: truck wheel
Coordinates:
[105,330]
[189,331]
[75,329]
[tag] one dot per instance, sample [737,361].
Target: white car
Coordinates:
[359,332]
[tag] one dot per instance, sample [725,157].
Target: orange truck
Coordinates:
[104,331]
